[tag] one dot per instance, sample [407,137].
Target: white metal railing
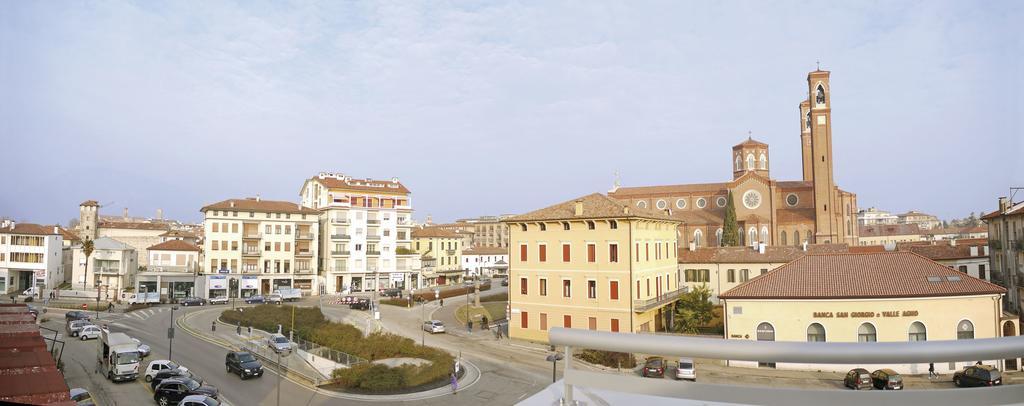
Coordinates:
[782,351]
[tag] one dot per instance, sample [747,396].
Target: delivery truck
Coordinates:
[140,298]
[118,356]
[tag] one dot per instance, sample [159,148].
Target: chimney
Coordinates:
[159,214]
[232,204]
[760,248]
[578,207]
[56,230]
[124,213]
[804,246]
[1003,203]
[257,197]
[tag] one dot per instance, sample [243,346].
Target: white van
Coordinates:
[686,369]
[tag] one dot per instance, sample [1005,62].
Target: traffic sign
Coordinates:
[84,306]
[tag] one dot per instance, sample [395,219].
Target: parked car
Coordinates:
[160,365]
[31,291]
[686,369]
[978,375]
[433,326]
[279,343]
[275,299]
[256,299]
[89,332]
[144,349]
[392,292]
[360,304]
[199,400]
[174,390]
[886,379]
[504,282]
[75,326]
[219,300]
[76,315]
[654,367]
[192,301]
[857,378]
[178,373]
[244,364]
[81,397]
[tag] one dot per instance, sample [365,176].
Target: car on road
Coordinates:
[686,369]
[219,300]
[192,301]
[81,397]
[76,315]
[433,326]
[257,299]
[178,373]
[360,304]
[504,282]
[978,375]
[886,379]
[144,349]
[199,400]
[75,326]
[160,365]
[173,390]
[392,293]
[279,343]
[274,298]
[857,378]
[244,364]
[654,367]
[89,332]
[31,291]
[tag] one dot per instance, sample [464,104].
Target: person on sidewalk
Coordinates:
[455,384]
[213,326]
[110,307]
[469,325]
[931,371]
[238,329]
[483,323]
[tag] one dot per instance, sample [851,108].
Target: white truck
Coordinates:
[289,295]
[118,356]
[138,298]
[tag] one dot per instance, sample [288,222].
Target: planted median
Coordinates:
[371,377]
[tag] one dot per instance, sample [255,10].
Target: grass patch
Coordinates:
[493,311]
[501,297]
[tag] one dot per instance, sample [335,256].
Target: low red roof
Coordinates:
[174,245]
[870,275]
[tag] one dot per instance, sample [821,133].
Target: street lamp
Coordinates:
[279,372]
[170,335]
[553,359]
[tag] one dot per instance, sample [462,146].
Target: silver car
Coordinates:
[433,326]
[279,343]
[219,300]
[75,327]
[274,298]
[89,332]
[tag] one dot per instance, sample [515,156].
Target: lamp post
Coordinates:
[279,372]
[423,319]
[553,358]
[170,335]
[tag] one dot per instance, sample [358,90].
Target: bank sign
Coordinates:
[862,315]
[218,282]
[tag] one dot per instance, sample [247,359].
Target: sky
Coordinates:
[484,108]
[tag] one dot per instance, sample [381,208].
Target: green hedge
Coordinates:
[450,292]
[311,325]
[608,358]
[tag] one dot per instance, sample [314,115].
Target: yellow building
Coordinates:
[873,297]
[440,250]
[593,263]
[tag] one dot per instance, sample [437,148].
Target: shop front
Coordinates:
[397,280]
[305,285]
[171,285]
[218,286]
[249,285]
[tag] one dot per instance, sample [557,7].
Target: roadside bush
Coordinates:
[380,378]
[608,358]
[395,302]
[495,298]
[428,296]
[267,317]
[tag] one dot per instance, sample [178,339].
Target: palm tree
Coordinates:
[87,248]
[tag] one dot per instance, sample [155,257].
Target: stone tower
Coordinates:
[750,156]
[825,194]
[805,139]
[88,219]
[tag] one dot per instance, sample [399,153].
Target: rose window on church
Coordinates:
[751,199]
[792,199]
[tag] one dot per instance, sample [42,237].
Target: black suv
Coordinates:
[175,373]
[978,375]
[361,304]
[258,299]
[172,391]
[76,315]
[244,364]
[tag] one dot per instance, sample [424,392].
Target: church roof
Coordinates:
[751,142]
[595,205]
[668,190]
[794,184]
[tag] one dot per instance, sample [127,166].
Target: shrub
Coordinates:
[495,298]
[395,302]
[450,292]
[379,378]
[608,358]
[267,317]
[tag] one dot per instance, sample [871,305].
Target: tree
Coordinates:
[730,234]
[693,310]
[87,248]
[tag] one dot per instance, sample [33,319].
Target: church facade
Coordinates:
[769,211]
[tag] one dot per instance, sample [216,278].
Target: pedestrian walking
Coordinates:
[483,323]
[213,326]
[931,371]
[469,325]
[250,329]
[442,302]
[238,329]
[455,384]
[110,307]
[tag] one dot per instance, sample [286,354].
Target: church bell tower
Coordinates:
[820,116]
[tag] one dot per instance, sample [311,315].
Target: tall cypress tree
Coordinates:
[730,233]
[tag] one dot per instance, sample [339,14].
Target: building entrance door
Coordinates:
[1009,331]
[765,332]
[265,287]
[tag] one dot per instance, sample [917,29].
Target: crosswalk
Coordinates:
[145,314]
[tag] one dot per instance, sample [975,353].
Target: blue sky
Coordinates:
[497,107]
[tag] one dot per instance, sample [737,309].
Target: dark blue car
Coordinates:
[258,299]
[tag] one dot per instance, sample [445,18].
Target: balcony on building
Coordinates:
[643,305]
[250,267]
[373,236]
[341,237]
[303,233]
[341,253]
[372,253]
[251,231]
[339,220]
[303,252]
[250,250]
[372,221]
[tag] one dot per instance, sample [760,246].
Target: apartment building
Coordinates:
[592,263]
[112,268]
[172,271]
[30,255]
[889,234]
[488,231]
[1006,248]
[873,217]
[255,246]
[483,261]
[923,220]
[440,250]
[365,232]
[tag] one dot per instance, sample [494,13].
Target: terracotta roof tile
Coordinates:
[871,275]
[134,225]
[179,234]
[362,185]
[263,206]
[433,232]
[751,141]
[595,205]
[28,229]
[888,229]
[748,255]
[174,245]
[485,251]
[700,217]
[90,203]
[669,190]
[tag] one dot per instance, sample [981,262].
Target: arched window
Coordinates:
[739,237]
[765,332]
[739,163]
[750,162]
[820,95]
[764,234]
[965,330]
[718,237]
[783,236]
[808,120]
[796,238]
[697,236]
[752,236]
[866,333]
[764,162]
[917,332]
[815,333]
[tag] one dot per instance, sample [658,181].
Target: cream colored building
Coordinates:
[114,263]
[254,246]
[365,228]
[173,270]
[591,263]
[889,234]
[1006,244]
[874,297]
[440,250]
[725,268]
